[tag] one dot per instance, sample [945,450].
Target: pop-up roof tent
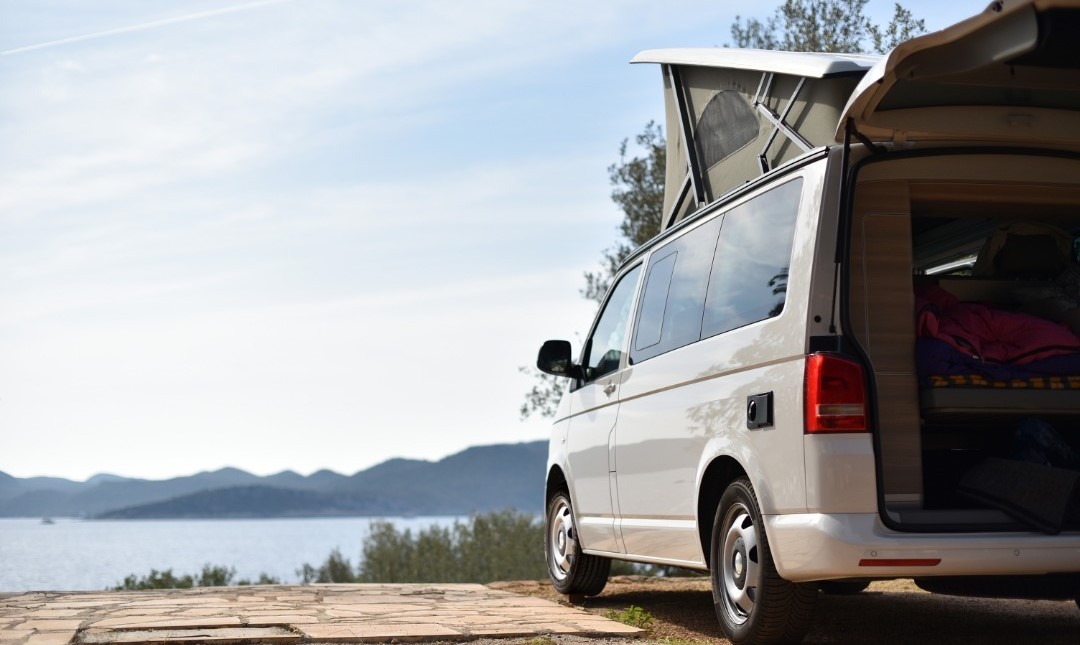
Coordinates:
[1009,74]
[744,112]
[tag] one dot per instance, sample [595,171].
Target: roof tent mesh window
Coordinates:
[727,124]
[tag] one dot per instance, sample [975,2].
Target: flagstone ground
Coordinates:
[291,614]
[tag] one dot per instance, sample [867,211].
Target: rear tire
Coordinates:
[571,571]
[843,587]
[753,603]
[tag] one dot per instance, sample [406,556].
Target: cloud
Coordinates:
[312,224]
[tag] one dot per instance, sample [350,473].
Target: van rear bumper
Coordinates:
[819,546]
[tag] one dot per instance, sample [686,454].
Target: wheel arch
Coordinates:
[556,481]
[718,475]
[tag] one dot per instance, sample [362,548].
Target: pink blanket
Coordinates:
[987,333]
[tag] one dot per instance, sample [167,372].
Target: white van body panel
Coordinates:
[840,476]
[684,408]
[822,546]
[590,427]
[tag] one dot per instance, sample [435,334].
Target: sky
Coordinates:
[307,234]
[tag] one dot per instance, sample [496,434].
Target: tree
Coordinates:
[543,397]
[797,25]
[639,191]
[826,26]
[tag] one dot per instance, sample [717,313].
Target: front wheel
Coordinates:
[753,603]
[571,571]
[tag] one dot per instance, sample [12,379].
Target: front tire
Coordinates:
[753,603]
[571,571]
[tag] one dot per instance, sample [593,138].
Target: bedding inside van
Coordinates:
[1010,325]
[976,345]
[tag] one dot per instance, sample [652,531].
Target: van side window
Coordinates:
[654,300]
[604,349]
[750,272]
[674,296]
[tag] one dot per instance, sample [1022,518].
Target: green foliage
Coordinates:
[216,576]
[504,545]
[623,568]
[263,579]
[639,191]
[155,580]
[210,576]
[633,615]
[544,395]
[826,26]
[337,568]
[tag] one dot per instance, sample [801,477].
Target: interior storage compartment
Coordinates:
[964,292]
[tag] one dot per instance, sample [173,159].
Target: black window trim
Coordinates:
[718,212]
[627,268]
[724,201]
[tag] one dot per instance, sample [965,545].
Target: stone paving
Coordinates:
[283,614]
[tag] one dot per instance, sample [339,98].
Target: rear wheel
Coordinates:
[753,603]
[571,571]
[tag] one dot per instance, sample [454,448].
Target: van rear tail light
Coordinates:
[835,395]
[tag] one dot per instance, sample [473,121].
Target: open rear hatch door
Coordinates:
[1010,75]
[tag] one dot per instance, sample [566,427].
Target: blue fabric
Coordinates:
[937,358]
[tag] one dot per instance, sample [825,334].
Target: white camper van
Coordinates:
[853,351]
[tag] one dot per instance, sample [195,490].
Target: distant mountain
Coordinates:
[479,479]
[46,496]
[246,501]
[483,477]
[106,477]
[13,486]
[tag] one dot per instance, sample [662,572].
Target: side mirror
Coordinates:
[554,358]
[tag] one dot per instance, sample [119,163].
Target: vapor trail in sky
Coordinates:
[154,24]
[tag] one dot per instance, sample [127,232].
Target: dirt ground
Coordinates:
[892,611]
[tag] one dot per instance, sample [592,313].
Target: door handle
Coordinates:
[609,389]
[759,411]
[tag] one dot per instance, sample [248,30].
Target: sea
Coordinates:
[93,555]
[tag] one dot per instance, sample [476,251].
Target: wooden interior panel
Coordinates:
[978,168]
[890,298]
[882,306]
[1027,194]
[901,442]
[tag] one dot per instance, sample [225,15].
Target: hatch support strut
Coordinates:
[778,120]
